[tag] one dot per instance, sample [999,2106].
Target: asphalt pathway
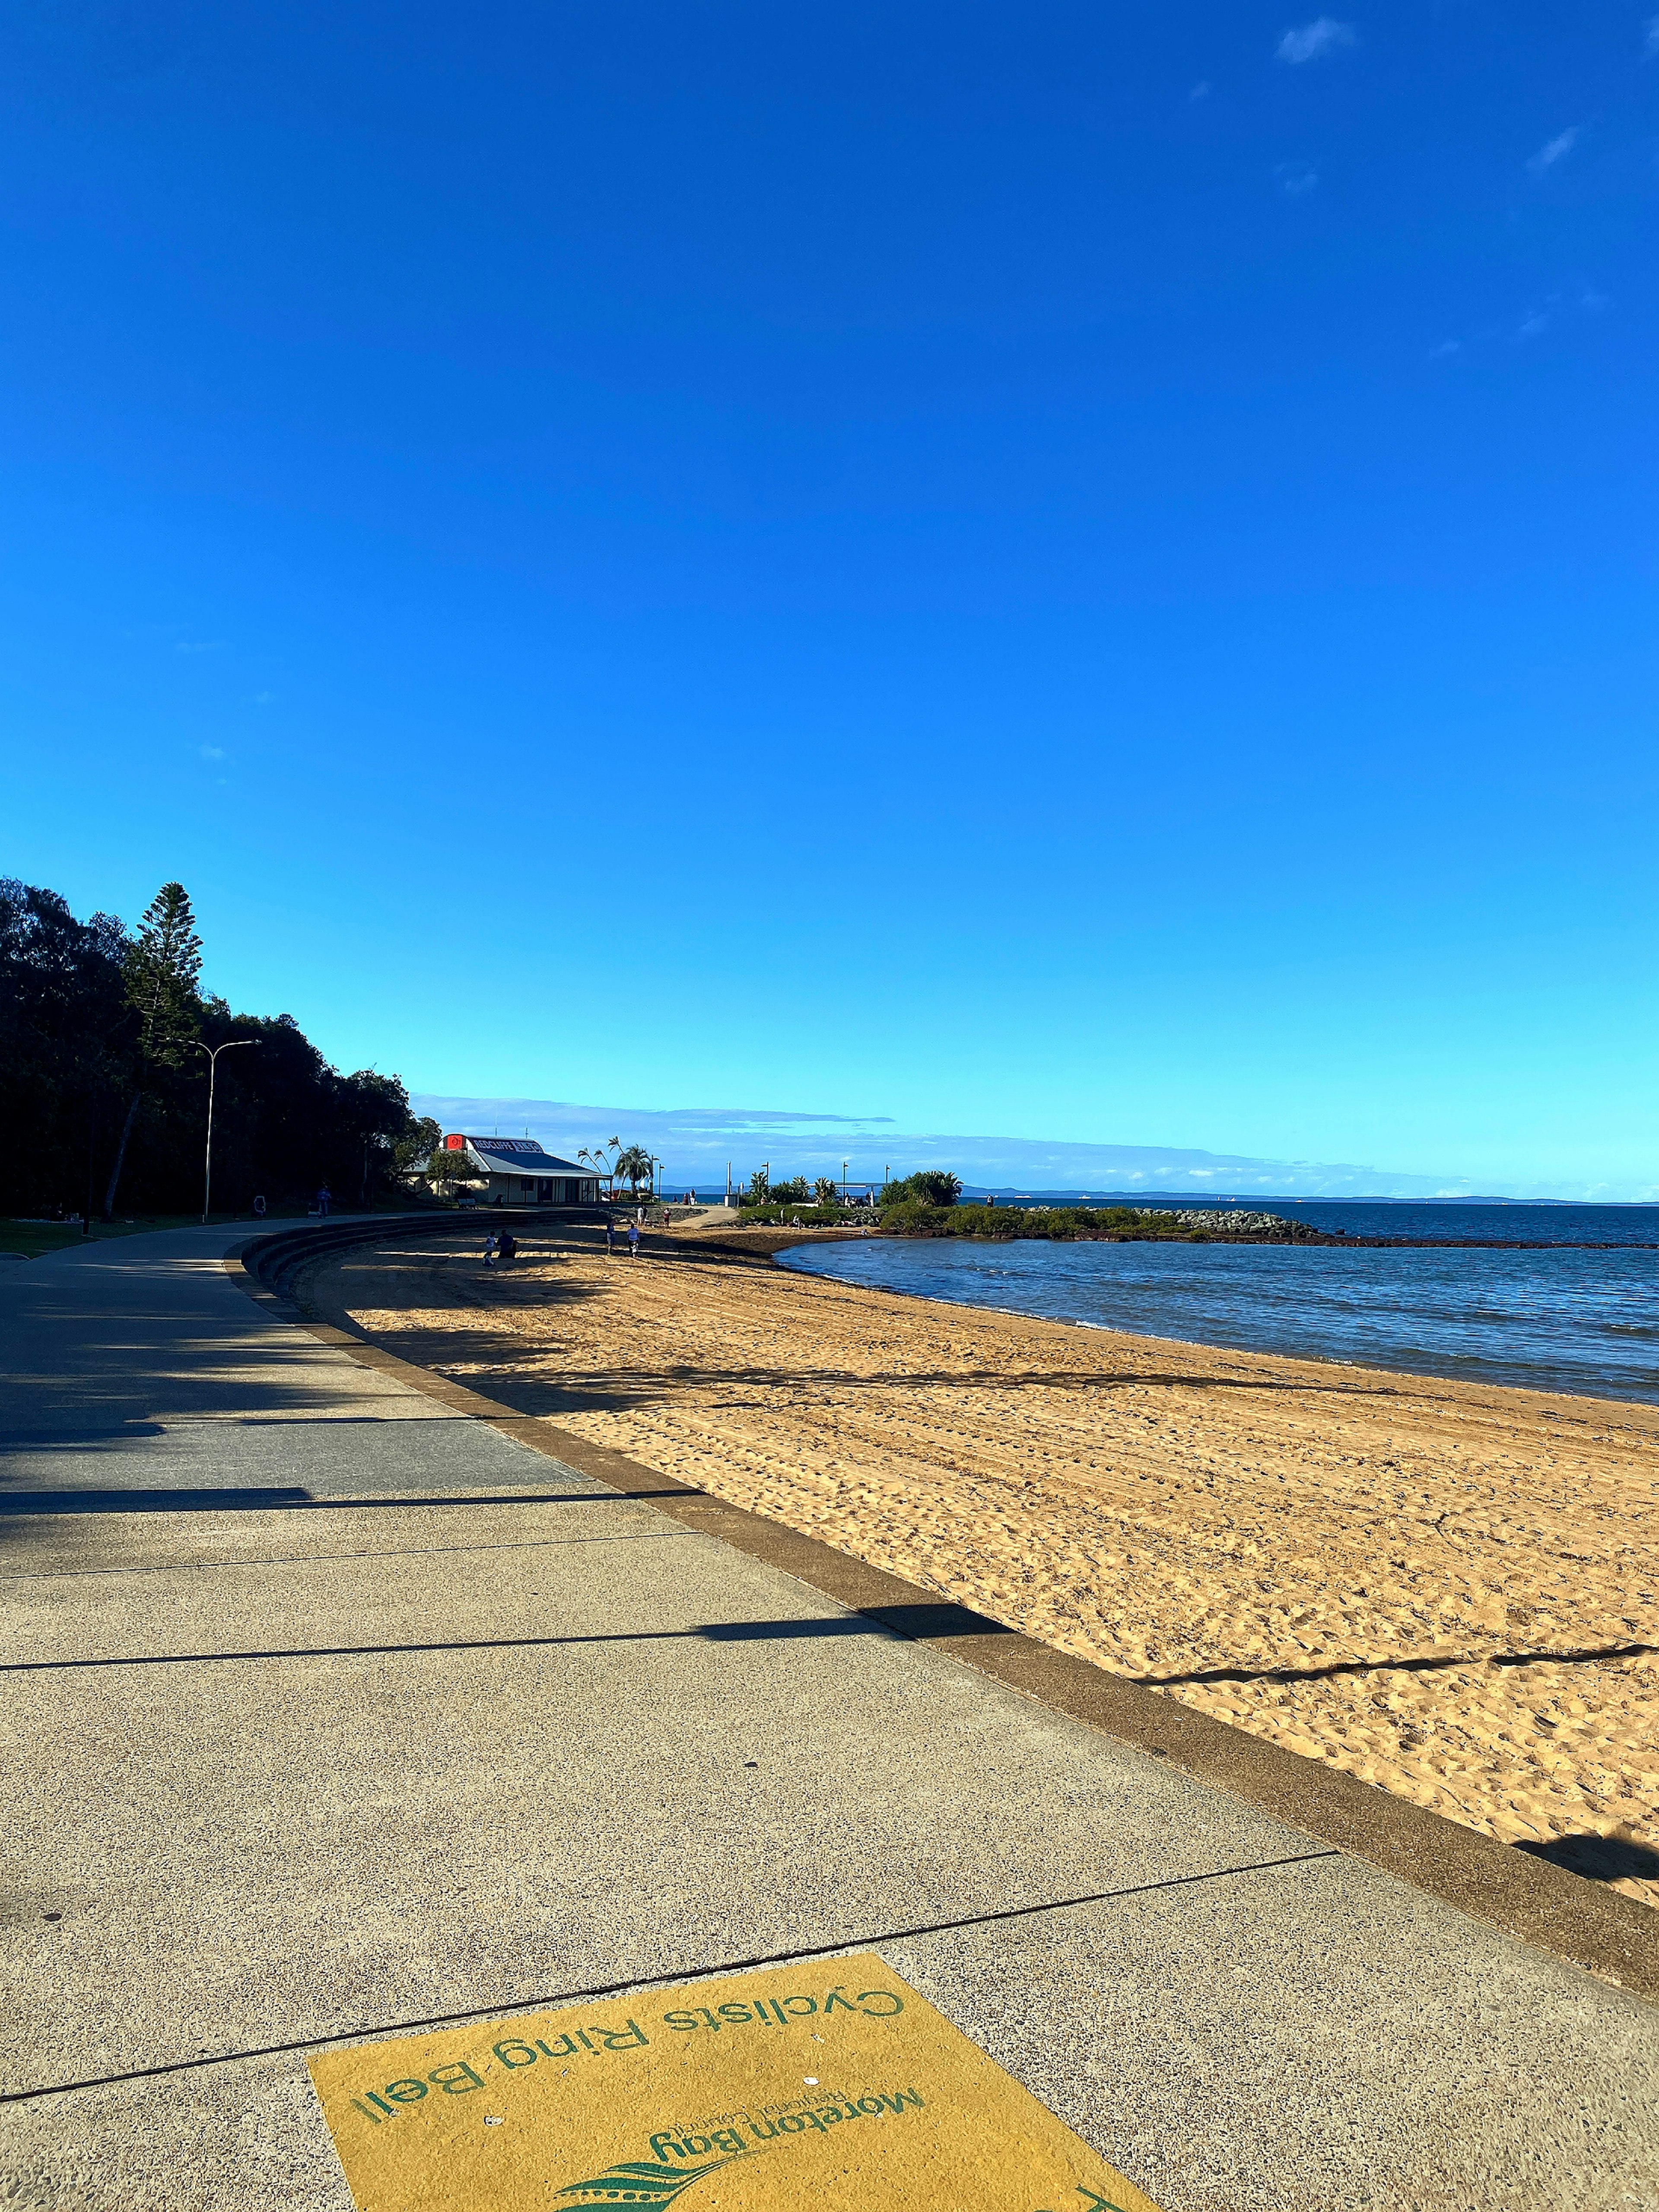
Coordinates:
[330,1711]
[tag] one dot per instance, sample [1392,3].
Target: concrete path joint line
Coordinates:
[506,2008]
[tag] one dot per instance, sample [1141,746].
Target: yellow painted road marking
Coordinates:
[833,2085]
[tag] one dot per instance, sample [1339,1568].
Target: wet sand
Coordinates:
[1443,1588]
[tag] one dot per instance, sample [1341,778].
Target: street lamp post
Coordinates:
[213,1053]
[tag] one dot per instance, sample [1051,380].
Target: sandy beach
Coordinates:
[1447,1589]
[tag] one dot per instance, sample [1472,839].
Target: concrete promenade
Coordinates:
[330,1711]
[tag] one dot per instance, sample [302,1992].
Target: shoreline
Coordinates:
[1443,1588]
[801,1241]
[1313,1239]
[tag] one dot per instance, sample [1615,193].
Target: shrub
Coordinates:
[912,1217]
[929,1186]
[774,1216]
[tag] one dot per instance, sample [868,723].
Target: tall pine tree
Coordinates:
[162,967]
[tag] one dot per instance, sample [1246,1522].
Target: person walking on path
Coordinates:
[506,1247]
[325,1199]
[633,1240]
[490,1250]
[609,1232]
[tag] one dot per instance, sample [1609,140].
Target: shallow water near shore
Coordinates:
[1583,1322]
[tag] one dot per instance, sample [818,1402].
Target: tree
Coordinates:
[635,1163]
[418,1142]
[826,1192]
[162,968]
[162,965]
[595,1158]
[929,1186]
[90,1021]
[372,1110]
[291,1121]
[67,1040]
[447,1167]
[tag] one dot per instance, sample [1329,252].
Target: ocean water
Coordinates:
[1585,1321]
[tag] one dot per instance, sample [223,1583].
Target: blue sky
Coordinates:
[1085,573]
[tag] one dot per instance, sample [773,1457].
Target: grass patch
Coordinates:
[33,1239]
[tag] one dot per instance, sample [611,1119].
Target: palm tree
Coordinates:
[636,1164]
[597,1159]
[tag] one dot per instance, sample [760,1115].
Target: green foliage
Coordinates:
[633,1164]
[418,1142]
[785,1217]
[928,1187]
[914,1217]
[162,966]
[825,1192]
[68,1046]
[448,1167]
[793,1191]
[97,1038]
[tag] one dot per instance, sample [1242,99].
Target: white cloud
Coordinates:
[697,1142]
[213,752]
[1296,177]
[1324,35]
[1200,90]
[264,698]
[1650,48]
[1558,148]
[1541,316]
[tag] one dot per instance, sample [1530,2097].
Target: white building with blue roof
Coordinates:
[518,1171]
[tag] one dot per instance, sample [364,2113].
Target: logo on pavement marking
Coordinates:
[836,2084]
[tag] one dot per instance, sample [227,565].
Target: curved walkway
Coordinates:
[334,1710]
